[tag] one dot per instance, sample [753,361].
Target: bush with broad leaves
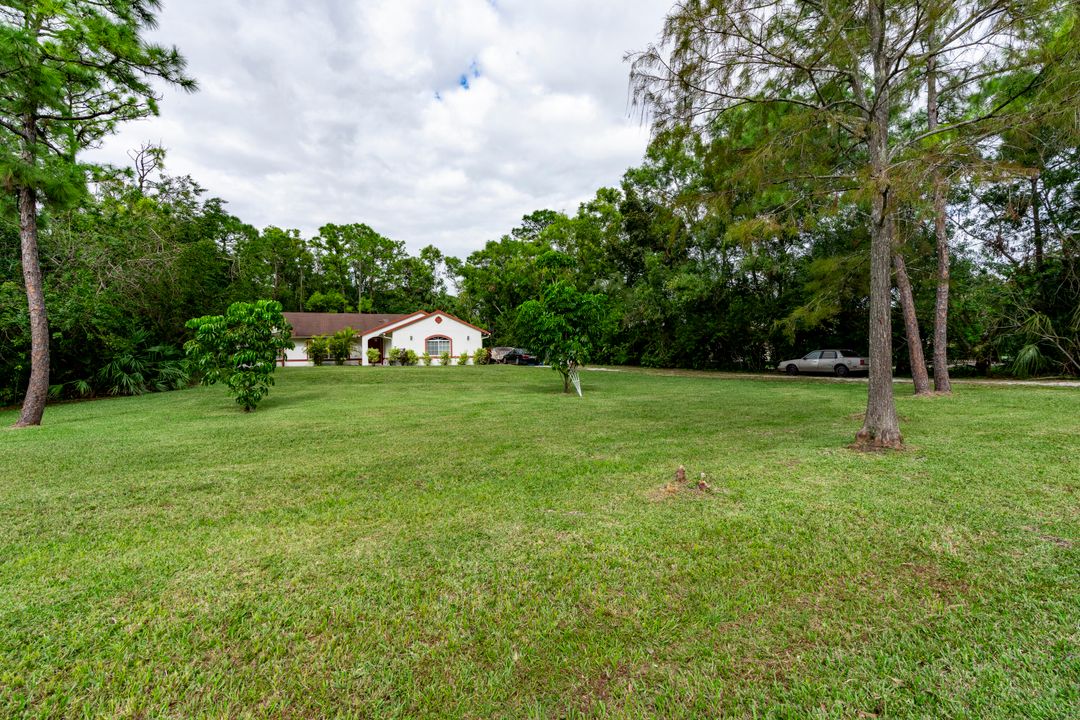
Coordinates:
[240,348]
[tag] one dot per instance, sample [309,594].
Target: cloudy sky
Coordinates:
[434,121]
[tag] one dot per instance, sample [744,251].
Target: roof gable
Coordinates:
[409,320]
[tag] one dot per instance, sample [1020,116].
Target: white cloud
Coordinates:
[343,111]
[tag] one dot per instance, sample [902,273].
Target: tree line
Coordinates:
[901,178]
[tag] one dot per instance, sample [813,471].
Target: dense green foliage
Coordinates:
[401,356]
[71,71]
[241,348]
[684,288]
[705,257]
[218,566]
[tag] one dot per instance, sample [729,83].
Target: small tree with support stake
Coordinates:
[564,326]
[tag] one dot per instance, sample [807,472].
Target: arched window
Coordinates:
[436,345]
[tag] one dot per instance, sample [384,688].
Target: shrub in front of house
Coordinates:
[444,359]
[482,357]
[426,357]
[341,344]
[409,357]
[394,356]
[463,359]
[373,356]
[318,349]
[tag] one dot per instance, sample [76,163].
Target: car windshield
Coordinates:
[813,356]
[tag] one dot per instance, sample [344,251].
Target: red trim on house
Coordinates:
[382,327]
[454,317]
[432,314]
[411,319]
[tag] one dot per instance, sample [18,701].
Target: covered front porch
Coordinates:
[382,343]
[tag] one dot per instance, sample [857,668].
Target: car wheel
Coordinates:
[841,370]
[792,370]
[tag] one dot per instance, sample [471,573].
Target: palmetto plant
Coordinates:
[139,368]
[1046,346]
[134,367]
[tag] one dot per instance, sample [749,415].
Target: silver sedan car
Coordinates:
[840,363]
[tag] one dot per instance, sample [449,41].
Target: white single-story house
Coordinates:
[422,332]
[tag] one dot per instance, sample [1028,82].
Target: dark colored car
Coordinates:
[520,356]
[498,354]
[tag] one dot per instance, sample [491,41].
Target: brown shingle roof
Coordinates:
[306,325]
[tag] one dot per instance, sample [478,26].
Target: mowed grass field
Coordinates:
[470,542]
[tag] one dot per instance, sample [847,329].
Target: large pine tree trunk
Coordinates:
[37,391]
[911,327]
[1036,224]
[942,384]
[881,428]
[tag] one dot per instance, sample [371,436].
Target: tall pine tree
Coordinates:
[70,72]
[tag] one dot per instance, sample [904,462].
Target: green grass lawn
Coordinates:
[470,542]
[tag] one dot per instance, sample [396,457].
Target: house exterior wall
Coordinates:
[463,338]
[410,333]
[296,356]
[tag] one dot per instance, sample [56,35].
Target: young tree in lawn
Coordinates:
[241,348]
[564,327]
[73,70]
[857,66]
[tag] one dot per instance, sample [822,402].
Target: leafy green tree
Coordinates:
[241,348]
[358,262]
[855,68]
[504,274]
[330,302]
[564,327]
[274,264]
[73,70]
